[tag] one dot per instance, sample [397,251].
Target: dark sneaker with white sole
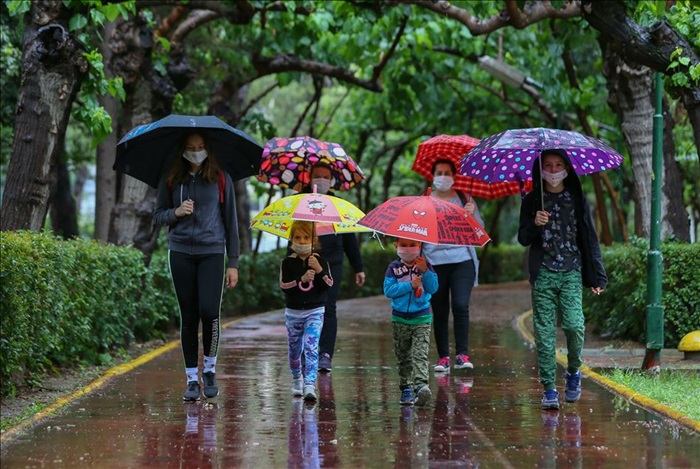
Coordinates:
[550,399]
[192,393]
[572,391]
[324,363]
[210,387]
[423,395]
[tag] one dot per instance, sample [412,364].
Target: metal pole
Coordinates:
[655,309]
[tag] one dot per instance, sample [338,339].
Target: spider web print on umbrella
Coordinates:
[287,162]
[510,155]
[426,219]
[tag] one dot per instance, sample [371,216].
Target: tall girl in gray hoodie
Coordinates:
[196,201]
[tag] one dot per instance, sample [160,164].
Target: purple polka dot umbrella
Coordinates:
[510,155]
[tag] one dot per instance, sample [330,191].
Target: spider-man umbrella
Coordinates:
[287,162]
[426,219]
[330,214]
[510,155]
[453,148]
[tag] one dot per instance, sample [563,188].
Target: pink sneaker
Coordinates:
[443,365]
[462,361]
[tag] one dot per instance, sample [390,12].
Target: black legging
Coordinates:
[199,284]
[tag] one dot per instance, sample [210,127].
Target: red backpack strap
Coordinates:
[222,186]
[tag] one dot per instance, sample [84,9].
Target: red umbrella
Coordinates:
[426,219]
[454,148]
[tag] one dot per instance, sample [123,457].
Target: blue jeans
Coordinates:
[302,336]
[455,283]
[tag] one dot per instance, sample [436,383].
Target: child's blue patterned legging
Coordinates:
[303,333]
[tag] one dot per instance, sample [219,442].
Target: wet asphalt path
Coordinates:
[486,417]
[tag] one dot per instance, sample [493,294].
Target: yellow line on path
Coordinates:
[93,386]
[629,394]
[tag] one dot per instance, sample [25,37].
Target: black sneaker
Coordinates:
[324,363]
[210,387]
[192,393]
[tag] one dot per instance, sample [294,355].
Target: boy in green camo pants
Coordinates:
[564,257]
[409,282]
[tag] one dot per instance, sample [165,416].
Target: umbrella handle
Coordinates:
[306,288]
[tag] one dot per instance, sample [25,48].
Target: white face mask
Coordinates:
[408,254]
[443,183]
[322,185]
[195,157]
[554,179]
[301,249]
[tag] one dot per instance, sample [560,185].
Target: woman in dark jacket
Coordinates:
[557,225]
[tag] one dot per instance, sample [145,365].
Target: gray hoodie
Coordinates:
[211,229]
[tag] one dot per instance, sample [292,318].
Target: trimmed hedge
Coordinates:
[69,302]
[620,312]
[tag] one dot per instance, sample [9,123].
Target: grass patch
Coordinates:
[29,411]
[676,389]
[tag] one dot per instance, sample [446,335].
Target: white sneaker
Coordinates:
[309,392]
[297,386]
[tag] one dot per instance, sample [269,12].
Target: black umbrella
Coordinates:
[147,151]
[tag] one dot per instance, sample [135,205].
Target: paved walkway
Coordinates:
[488,417]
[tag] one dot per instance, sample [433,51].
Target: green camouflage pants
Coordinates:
[411,345]
[557,293]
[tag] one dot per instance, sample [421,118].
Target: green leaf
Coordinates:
[77,22]
[111,11]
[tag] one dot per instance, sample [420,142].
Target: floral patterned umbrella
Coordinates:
[453,148]
[287,162]
[510,155]
[426,219]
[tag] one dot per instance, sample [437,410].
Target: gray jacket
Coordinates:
[211,229]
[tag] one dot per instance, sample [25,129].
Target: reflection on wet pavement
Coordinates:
[486,417]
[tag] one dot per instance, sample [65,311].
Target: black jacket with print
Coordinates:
[592,269]
[299,295]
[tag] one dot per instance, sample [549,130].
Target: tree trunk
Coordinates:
[52,70]
[227,101]
[64,210]
[631,96]
[105,176]
[675,223]
[131,220]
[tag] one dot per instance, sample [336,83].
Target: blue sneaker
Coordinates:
[572,391]
[550,399]
[423,395]
[407,397]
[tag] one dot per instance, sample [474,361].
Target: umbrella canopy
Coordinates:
[332,215]
[510,155]
[426,219]
[146,152]
[453,148]
[287,162]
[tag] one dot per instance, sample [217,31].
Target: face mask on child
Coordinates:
[554,179]
[408,254]
[301,249]
[322,185]
[195,157]
[443,183]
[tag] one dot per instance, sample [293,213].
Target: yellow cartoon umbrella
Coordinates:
[331,215]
